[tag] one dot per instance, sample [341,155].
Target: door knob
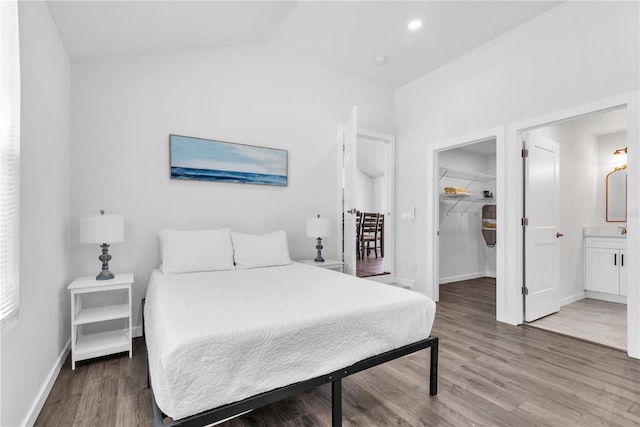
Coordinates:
[558,235]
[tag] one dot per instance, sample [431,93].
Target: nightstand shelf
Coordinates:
[101,314]
[89,345]
[99,344]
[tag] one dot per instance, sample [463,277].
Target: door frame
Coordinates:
[390,174]
[512,183]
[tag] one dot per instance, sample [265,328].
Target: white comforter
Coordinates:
[219,337]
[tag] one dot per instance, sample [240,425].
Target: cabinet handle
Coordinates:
[615,259]
[621,260]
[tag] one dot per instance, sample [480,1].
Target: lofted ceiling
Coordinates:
[346,35]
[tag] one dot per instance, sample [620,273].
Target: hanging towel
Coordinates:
[489,224]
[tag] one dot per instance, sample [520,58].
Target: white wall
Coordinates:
[576,53]
[364,192]
[123,110]
[578,202]
[32,349]
[463,253]
[370,193]
[607,144]
[379,191]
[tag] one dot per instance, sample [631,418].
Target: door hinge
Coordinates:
[524,222]
[525,290]
[525,152]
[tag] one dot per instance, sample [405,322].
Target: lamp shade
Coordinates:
[101,229]
[318,227]
[619,158]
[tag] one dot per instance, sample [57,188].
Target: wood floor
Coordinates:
[490,374]
[592,320]
[370,266]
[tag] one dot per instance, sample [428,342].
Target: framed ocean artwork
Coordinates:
[210,160]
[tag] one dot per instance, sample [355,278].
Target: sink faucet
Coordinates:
[623,230]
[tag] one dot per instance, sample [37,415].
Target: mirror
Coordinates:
[617,196]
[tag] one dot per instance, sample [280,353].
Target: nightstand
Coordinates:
[88,346]
[329,264]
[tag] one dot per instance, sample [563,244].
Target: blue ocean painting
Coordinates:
[210,160]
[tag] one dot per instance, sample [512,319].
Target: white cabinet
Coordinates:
[606,265]
[623,271]
[90,345]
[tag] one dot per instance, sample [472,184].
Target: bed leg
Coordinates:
[433,379]
[336,403]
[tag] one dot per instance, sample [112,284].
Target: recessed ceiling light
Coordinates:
[380,60]
[415,24]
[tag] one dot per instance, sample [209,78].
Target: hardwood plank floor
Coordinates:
[601,322]
[489,374]
[370,266]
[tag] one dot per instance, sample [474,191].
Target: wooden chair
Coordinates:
[358,234]
[380,239]
[369,232]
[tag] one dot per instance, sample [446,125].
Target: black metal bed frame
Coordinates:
[335,378]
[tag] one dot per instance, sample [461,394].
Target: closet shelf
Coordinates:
[467,176]
[464,204]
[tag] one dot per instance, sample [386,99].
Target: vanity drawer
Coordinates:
[606,242]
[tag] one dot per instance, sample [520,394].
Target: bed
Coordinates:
[221,343]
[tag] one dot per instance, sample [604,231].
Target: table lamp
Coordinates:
[318,228]
[102,229]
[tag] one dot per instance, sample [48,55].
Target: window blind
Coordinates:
[9,161]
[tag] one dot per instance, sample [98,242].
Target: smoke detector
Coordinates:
[380,60]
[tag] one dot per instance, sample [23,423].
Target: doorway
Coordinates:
[582,292]
[372,206]
[467,206]
[366,171]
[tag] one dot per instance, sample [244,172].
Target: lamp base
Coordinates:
[319,248]
[105,274]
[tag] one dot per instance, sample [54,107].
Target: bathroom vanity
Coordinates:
[606,266]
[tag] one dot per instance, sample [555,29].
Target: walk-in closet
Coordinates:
[467,213]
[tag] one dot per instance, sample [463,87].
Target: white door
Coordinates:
[349,167]
[541,206]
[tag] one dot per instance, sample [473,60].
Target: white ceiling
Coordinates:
[93,29]
[346,35]
[603,123]
[483,147]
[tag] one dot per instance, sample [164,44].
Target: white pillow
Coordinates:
[252,251]
[195,250]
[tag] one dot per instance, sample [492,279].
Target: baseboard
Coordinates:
[405,282]
[491,274]
[573,298]
[47,386]
[620,299]
[383,278]
[51,379]
[451,279]
[136,331]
